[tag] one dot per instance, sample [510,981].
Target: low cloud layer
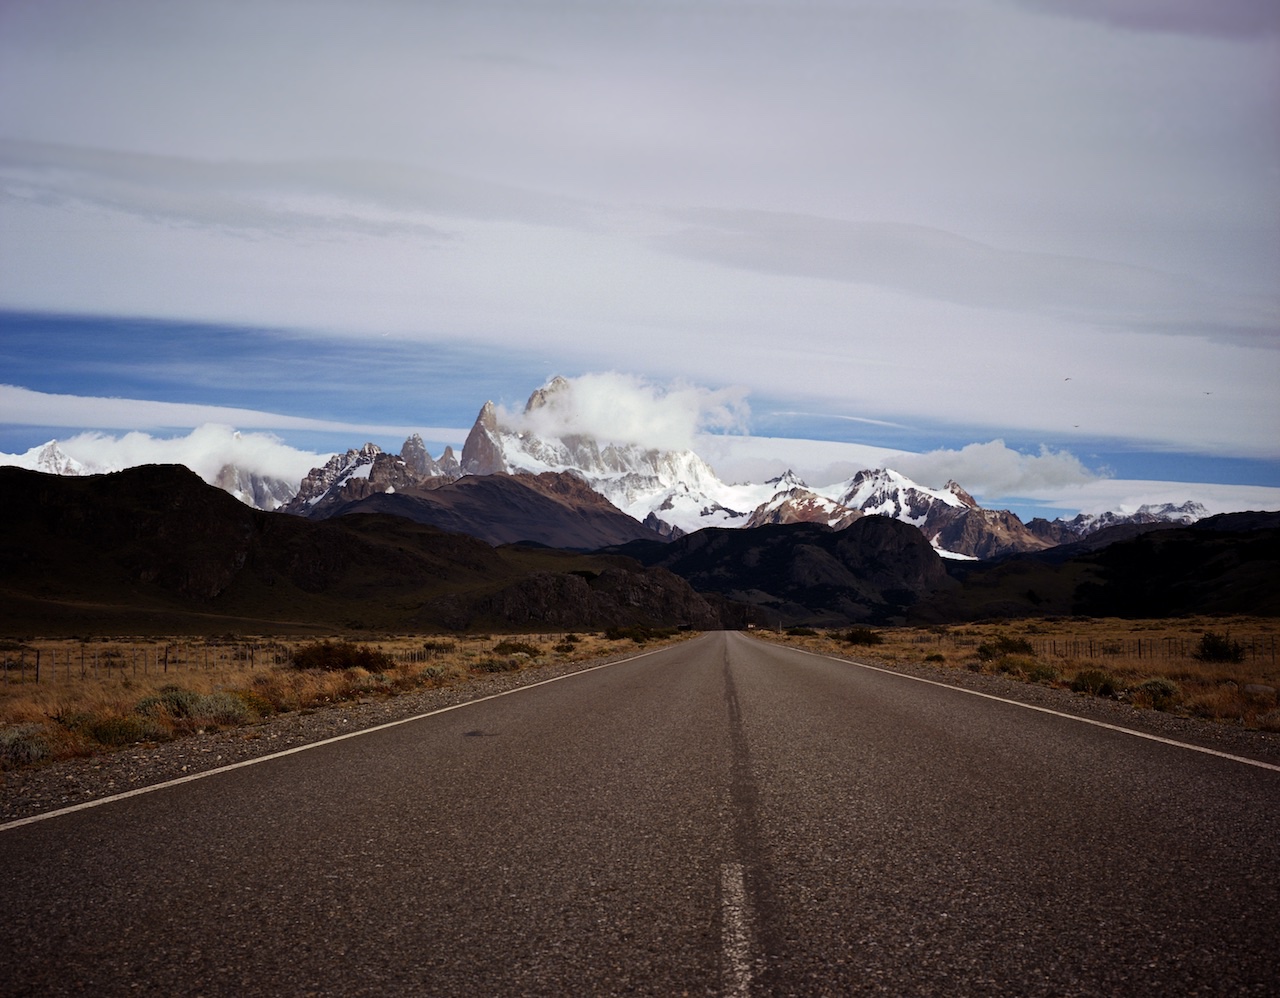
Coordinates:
[993,469]
[206,450]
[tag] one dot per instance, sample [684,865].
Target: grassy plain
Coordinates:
[1158,664]
[93,695]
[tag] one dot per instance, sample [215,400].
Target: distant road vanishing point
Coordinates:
[722,817]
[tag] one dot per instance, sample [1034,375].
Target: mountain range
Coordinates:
[155,549]
[570,490]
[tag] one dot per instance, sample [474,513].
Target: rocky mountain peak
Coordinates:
[955,489]
[555,389]
[416,459]
[482,452]
[787,480]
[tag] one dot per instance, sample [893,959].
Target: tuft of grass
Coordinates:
[1098,682]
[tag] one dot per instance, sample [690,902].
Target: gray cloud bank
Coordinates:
[904,211]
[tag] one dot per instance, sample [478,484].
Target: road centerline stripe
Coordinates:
[735,932]
[192,777]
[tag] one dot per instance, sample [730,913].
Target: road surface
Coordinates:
[725,817]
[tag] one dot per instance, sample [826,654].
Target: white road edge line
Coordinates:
[1056,713]
[98,802]
[735,933]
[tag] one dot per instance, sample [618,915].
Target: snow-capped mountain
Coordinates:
[1084,524]
[677,492]
[369,470]
[50,459]
[674,492]
[794,502]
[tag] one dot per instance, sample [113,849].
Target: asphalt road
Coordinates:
[721,818]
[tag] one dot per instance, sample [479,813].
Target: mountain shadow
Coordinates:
[555,510]
[1226,564]
[803,573]
[154,549]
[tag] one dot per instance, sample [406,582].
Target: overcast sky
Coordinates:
[915,225]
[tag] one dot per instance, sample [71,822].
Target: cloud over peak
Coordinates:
[629,409]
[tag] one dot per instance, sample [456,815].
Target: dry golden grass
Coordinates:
[1149,663]
[93,695]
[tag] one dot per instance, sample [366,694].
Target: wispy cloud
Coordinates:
[932,263]
[1237,19]
[23,407]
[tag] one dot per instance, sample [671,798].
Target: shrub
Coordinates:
[1094,681]
[1219,648]
[862,636]
[171,700]
[1002,645]
[1163,692]
[223,707]
[801,632]
[330,656]
[115,729]
[516,648]
[254,702]
[22,745]
[1039,672]
[935,657]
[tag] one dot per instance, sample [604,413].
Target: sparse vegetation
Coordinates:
[639,634]
[1225,669]
[1002,645]
[98,695]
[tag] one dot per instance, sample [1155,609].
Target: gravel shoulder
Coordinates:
[28,792]
[56,785]
[1263,746]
